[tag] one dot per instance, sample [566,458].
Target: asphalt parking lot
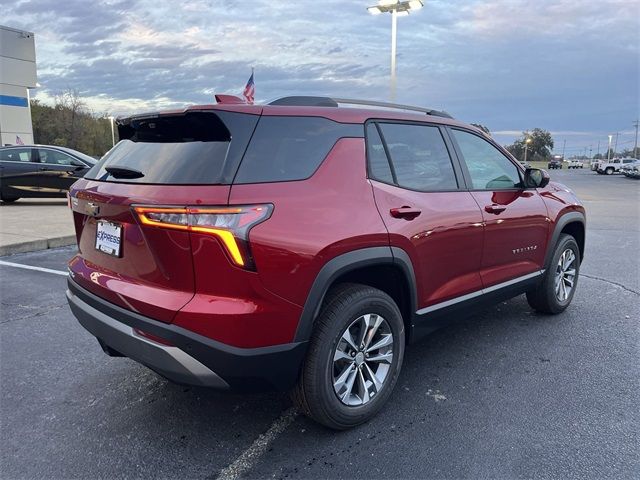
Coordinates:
[504,394]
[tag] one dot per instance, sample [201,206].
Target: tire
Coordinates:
[9,199]
[609,171]
[329,358]
[545,297]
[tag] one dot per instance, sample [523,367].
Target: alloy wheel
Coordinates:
[565,275]
[362,360]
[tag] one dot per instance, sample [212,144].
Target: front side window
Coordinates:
[419,157]
[54,157]
[488,167]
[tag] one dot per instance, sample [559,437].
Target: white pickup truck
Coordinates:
[575,164]
[612,166]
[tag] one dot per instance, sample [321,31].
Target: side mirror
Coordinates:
[536,178]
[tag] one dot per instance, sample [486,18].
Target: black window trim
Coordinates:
[453,158]
[465,169]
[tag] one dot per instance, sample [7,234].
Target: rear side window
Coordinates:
[290,148]
[195,148]
[16,155]
[419,156]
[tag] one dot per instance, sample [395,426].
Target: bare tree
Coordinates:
[71,106]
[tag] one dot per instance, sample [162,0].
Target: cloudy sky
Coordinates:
[569,66]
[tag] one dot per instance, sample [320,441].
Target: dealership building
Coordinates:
[17,76]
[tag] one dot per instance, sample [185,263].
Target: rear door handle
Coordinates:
[495,209]
[408,213]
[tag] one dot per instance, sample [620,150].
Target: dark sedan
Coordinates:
[40,171]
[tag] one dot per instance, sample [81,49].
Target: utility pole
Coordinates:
[609,149]
[564,144]
[615,148]
[635,145]
[598,148]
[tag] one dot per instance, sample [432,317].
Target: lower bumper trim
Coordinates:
[188,357]
[170,362]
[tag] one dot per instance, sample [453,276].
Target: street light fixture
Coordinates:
[395,8]
[526,146]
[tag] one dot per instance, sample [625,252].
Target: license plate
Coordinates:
[108,237]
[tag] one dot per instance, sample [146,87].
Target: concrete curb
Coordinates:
[35,245]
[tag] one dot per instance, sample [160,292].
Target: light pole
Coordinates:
[609,149]
[113,134]
[395,8]
[526,146]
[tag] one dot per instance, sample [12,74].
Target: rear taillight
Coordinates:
[230,225]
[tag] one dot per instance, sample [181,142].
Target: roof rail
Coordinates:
[304,101]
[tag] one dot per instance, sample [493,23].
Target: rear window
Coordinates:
[196,148]
[291,148]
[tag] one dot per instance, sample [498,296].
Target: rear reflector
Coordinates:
[230,225]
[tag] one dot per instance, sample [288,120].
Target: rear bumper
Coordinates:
[190,358]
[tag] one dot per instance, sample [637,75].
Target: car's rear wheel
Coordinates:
[9,199]
[354,358]
[609,171]
[555,292]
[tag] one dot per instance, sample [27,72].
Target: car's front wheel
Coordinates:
[354,358]
[558,285]
[609,171]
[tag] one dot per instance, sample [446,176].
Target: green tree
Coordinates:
[538,149]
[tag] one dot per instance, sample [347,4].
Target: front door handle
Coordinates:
[408,213]
[495,209]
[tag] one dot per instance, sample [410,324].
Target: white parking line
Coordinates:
[251,455]
[38,269]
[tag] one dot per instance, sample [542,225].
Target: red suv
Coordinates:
[302,244]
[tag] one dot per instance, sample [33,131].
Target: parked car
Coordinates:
[554,163]
[302,245]
[40,171]
[613,166]
[631,169]
[575,164]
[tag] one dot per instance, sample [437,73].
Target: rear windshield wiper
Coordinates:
[124,172]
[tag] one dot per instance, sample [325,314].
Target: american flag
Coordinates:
[19,141]
[249,89]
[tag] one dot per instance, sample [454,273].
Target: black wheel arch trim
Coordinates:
[561,222]
[347,262]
